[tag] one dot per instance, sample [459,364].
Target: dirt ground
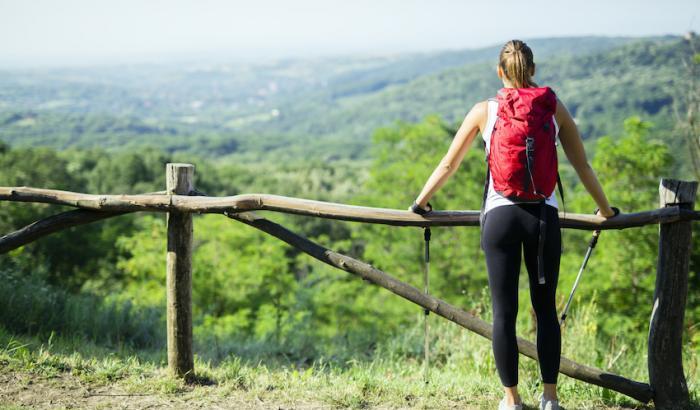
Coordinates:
[24,390]
[28,390]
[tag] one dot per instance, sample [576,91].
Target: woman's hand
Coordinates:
[416,208]
[610,213]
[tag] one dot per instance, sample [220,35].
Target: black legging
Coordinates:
[505,230]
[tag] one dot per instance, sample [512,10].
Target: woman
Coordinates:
[510,225]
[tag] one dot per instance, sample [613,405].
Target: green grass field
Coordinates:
[60,372]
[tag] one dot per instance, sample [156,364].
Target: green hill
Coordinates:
[600,89]
[325,107]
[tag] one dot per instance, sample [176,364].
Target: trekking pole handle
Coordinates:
[596,233]
[415,208]
[594,239]
[616,211]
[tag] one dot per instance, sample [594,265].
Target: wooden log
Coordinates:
[634,389]
[251,202]
[179,180]
[666,324]
[55,223]
[141,202]
[49,225]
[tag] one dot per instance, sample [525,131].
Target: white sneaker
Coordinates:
[503,406]
[548,404]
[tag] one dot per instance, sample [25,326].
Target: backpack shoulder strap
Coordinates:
[493,107]
[492,116]
[490,122]
[561,191]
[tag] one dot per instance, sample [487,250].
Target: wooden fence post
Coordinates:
[179,180]
[666,324]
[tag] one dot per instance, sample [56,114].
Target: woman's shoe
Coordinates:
[503,406]
[546,404]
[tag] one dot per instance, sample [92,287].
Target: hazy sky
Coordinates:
[67,32]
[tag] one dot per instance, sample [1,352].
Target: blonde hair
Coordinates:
[517,63]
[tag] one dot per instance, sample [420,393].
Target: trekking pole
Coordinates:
[426,279]
[591,245]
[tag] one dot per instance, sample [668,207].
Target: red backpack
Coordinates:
[522,156]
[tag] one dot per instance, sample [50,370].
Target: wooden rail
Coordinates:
[667,386]
[308,207]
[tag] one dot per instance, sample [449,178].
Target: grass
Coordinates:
[462,373]
[29,305]
[64,350]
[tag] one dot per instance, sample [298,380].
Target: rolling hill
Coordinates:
[324,107]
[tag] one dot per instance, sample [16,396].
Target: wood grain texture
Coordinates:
[665,362]
[49,225]
[54,223]
[185,202]
[179,180]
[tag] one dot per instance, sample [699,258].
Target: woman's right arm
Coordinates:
[573,148]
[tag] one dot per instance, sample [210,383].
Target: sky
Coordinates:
[76,32]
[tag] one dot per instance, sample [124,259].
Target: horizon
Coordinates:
[222,57]
[76,33]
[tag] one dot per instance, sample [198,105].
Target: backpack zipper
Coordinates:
[530,158]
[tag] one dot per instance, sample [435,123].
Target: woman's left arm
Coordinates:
[473,122]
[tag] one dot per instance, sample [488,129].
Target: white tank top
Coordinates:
[493,198]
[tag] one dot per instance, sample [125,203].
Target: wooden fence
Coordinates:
[667,386]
